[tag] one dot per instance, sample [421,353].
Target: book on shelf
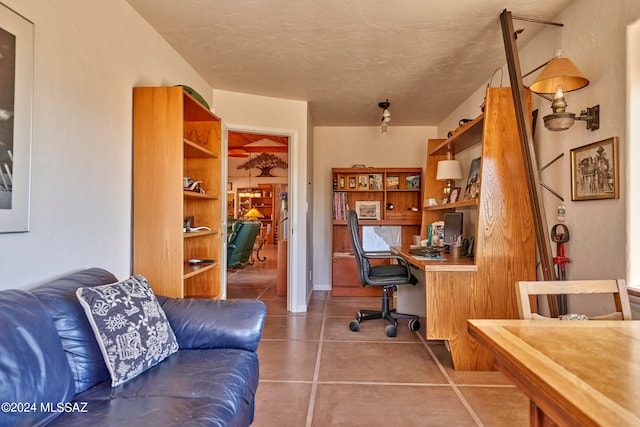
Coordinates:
[340,205]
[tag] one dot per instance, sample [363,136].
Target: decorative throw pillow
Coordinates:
[130,326]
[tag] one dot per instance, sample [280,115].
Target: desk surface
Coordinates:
[448,264]
[577,373]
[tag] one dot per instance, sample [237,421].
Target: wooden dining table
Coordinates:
[575,373]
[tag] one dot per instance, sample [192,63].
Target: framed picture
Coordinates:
[453,196]
[472,191]
[16,89]
[393,183]
[375,181]
[352,183]
[363,182]
[594,171]
[368,209]
[412,182]
[341,183]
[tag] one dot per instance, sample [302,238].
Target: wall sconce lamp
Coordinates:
[448,170]
[386,115]
[560,75]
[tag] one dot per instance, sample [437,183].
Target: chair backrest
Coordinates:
[241,242]
[617,288]
[358,251]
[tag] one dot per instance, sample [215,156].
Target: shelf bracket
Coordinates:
[558,157]
[528,153]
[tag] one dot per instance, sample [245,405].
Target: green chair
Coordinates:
[241,242]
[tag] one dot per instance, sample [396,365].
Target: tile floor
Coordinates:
[315,372]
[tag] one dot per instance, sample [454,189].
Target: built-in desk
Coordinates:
[450,288]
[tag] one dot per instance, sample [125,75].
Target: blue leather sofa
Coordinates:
[52,371]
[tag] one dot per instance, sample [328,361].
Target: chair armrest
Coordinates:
[386,255]
[200,323]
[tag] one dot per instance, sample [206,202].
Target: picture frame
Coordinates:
[16,99]
[412,182]
[341,183]
[353,183]
[393,183]
[363,182]
[375,182]
[595,171]
[368,210]
[472,190]
[453,196]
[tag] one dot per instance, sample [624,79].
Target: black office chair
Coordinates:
[387,276]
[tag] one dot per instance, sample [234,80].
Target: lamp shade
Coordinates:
[254,214]
[559,72]
[448,169]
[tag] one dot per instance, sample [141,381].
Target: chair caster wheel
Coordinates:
[354,326]
[414,325]
[391,331]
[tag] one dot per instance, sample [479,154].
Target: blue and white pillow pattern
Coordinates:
[130,326]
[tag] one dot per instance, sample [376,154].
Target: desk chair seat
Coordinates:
[386,276]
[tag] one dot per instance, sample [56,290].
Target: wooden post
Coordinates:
[543,241]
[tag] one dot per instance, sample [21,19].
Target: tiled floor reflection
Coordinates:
[315,372]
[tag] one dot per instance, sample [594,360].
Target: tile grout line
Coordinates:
[316,369]
[452,383]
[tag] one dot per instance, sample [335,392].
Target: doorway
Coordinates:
[257,176]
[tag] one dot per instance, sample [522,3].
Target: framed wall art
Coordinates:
[16,92]
[594,171]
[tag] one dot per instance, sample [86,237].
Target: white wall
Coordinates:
[88,56]
[593,37]
[339,147]
[282,117]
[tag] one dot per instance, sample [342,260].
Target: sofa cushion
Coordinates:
[59,299]
[192,387]
[130,326]
[33,365]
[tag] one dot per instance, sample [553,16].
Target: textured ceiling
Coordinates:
[345,56]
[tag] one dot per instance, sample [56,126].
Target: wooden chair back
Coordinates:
[618,288]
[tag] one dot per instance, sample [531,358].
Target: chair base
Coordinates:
[390,315]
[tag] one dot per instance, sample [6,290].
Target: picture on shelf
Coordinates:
[363,182]
[341,183]
[375,181]
[368,209]
[453,196]
[393,183]
[412,182]
[352,182]
[472,191]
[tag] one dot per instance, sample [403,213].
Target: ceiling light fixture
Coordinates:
[386,115]
[558,76]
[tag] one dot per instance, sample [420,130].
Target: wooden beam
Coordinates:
[543,240]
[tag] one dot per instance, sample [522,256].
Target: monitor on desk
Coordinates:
[452,227]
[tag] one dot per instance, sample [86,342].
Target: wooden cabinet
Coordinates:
[175,137]
[504,232]
[386,197]
[262,199]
